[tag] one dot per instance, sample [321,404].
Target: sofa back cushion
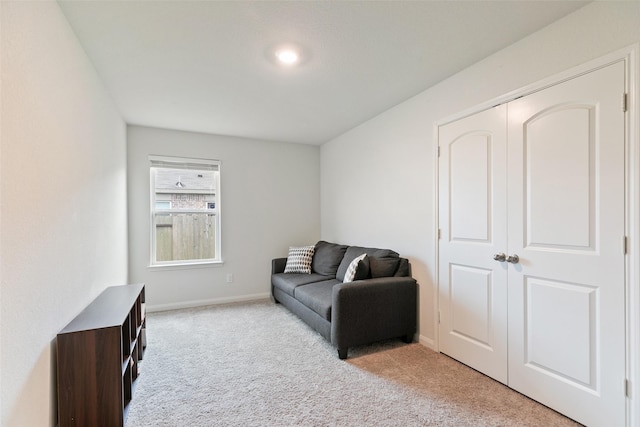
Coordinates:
[327,257]
[382,262]
[404,269]
[383,266]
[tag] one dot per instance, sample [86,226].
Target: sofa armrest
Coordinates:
[374,309]
[278,265]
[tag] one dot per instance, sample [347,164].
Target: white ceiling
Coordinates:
[205,66]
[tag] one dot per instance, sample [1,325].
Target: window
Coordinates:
[185,211]
[163,204]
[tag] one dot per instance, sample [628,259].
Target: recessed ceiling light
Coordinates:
[287,56]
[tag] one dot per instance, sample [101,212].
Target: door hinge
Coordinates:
[627,388]
[625,100]
[438,151]
[439,233]
[624,245]
[438,317]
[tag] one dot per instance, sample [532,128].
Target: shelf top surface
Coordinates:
[109,309]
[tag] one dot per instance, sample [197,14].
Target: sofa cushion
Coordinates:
[358,269]
[317,296]
[377,268]
[404,269]
[289,281]
[299,259]
[327,257]
[383,267]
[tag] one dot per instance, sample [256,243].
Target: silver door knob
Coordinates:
[500,257]
[513,259]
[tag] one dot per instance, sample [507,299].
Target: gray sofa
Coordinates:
[378,305]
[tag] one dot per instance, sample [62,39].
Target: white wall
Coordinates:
[384,192]
[63,205]
[270,199]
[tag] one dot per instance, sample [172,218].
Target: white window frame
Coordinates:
[196,165]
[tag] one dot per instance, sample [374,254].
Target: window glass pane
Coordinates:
[184,181]
[184,208]
[182,237]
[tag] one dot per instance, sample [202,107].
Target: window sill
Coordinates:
[187,265]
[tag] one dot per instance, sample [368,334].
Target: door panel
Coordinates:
[566,222]
[470,187]
[473,311]
[558,344]
[471,315]
[559,147]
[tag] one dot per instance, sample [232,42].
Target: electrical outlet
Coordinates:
[229,277]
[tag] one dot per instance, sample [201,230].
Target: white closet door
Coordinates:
[566,223]
[473,286]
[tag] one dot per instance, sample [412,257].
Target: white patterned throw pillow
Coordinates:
[353,268]
[299,259]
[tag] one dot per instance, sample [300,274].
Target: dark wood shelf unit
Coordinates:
[99,355]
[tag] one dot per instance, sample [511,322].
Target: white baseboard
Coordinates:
[427,342]
[201,303]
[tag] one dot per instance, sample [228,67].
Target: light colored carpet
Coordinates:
[256,364]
